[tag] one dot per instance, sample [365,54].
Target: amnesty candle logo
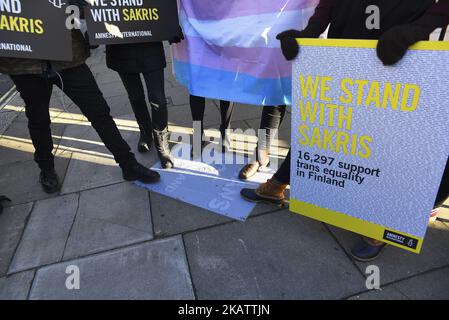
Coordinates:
[57,3]
[403,240]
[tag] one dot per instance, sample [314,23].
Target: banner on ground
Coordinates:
[231,51]
[34,30]
[131,21]
[369,142]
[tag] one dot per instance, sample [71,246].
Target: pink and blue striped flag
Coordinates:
[231,52]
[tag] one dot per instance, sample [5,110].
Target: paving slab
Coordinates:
[16,144]
[108,218]
[275,256]
[112,89]
[429,286]
[16,286]
[388,293]
[89,170]
[247,112]
[182,116]
[6,118]
[107,77]
[395,263]
[12,224]
[177,95]
[119,105]
[172,217]
[46,234]
[92,165]
[155,270]
[20,180]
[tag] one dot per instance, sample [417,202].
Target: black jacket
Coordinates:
[136,57]
[347,18]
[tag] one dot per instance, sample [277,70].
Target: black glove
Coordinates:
[394,43]
[289,45]
[178,38]
[3,198]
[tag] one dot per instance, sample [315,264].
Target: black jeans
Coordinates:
[283,176]
[156,95]
[272,117]
[198,105]
[283,173]
[80,86]
[443,192]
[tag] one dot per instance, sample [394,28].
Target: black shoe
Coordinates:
[134,171]
[49,181]
[3,198]
[163,148]
[365,252]
[145,142]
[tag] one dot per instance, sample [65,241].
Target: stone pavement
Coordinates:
[131,244]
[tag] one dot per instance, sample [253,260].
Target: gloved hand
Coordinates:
[3,198]
[394,43]
[289,45]
[178,38]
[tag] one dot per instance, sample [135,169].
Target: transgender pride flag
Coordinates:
[231,52]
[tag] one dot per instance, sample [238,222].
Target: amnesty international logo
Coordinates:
[57,3]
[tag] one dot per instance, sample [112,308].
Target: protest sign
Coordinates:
[131,21]
[34,29]
[369,142]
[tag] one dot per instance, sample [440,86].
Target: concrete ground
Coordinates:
[131,244]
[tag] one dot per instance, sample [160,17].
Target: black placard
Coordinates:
[131,21]
[34,29]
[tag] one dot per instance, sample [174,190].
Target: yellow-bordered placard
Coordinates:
[339,219]
[368,229]
[370,44]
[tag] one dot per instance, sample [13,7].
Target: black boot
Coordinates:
[134,171]
[49,181]
[3,198]
[145,141]
[163,148]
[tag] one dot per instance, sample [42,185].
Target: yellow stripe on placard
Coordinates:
[341,220]
[370,44]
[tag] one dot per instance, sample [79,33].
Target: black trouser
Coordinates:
[443,192]
[272,117]
[283,173]
[283,176]
[156,96]
[198,105]
[80,86]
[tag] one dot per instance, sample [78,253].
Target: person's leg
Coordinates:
[136,94]
[226,110]
[271,191]
[272,117]
[79,84]
[443,192]
[36,91]
[158,101]
[197,108]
